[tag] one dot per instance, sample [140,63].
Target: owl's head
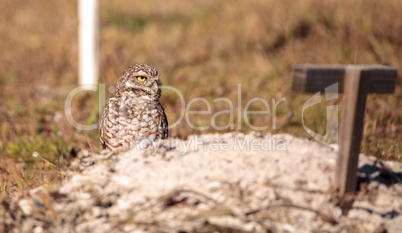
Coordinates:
[139,80]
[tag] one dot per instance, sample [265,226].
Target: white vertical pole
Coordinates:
[88,42]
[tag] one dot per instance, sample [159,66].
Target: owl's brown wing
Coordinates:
[163,123]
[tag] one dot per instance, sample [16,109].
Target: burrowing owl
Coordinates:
[134,113]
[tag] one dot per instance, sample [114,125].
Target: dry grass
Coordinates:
[202,48]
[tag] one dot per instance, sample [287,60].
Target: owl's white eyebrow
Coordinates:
[140,72]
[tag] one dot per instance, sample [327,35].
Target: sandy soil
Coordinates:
[223,183]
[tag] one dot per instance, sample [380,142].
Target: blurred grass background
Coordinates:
[202,48]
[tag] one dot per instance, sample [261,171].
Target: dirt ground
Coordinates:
[212,183]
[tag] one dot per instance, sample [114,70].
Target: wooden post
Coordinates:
[356,81]
[88,42]
[351,130]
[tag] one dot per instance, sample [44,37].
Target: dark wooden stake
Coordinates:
[351,129]
[356,81]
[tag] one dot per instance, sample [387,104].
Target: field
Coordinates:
[202,48]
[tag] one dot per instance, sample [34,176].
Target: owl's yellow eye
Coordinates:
[141,78]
